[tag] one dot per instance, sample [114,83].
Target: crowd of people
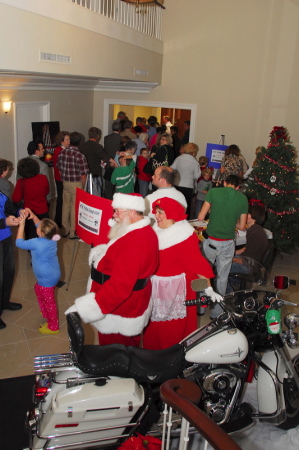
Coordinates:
[155,182]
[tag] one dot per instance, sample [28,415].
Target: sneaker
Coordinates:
[46,330]
[11,306]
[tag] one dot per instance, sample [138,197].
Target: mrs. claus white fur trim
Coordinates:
[175,234]
[128,201]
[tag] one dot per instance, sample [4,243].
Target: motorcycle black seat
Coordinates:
[104,360]
[156,366]
[145,366]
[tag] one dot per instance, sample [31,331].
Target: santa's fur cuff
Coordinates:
[128,326]
[88,308]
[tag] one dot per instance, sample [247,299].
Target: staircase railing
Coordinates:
[147,18]
[182,397]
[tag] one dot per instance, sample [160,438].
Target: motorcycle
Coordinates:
[98,396]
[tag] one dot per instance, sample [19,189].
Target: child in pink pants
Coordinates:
[45,266]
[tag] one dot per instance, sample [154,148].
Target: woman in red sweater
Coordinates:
[32,188]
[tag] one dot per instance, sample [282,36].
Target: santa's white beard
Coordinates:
[119,229]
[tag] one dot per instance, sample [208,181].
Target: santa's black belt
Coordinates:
[100,278]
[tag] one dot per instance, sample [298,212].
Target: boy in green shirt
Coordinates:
[123,176]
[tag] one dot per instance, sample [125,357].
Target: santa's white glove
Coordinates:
[213,295]
[73,308]
[93,254]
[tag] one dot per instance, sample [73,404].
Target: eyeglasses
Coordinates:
[120,211]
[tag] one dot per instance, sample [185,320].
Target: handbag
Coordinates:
[148,167]
[163,163]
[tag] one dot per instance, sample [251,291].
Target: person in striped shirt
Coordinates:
[123,176]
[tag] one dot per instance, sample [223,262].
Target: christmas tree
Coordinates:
[273,183]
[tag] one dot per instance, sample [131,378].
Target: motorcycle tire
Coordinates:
[291,396]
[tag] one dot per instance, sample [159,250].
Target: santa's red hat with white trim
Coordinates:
[128,201]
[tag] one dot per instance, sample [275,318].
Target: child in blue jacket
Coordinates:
[45,266]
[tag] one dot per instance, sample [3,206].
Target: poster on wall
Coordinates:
[215,154]
[46,132]
[92,215]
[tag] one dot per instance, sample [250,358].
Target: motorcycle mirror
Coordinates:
[199,284]
[282,282]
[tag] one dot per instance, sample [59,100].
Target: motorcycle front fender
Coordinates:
[270,384]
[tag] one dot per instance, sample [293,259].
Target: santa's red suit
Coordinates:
[116,310]
[180,263]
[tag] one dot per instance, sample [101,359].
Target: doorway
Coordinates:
[177,117]
[134,109]
[24,114]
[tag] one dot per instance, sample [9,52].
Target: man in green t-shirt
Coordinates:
[228,210]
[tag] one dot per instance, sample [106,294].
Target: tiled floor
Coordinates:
[20,341]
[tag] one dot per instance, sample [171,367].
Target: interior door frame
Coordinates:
[108,102]
[45,117]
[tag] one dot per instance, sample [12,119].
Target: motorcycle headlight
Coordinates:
[291,321]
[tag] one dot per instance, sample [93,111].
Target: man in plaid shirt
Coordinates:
[73,169]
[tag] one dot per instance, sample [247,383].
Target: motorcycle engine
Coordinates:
[218,385]
[219,381]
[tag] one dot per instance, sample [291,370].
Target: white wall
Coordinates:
[74,111]
[71,30]
[238,61]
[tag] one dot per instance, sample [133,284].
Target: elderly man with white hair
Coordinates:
[118,304]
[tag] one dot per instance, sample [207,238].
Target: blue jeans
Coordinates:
[198,206]
[220,255]
[98,184]
[143,187]
[234,283]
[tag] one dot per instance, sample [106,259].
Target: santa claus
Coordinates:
[118,304]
